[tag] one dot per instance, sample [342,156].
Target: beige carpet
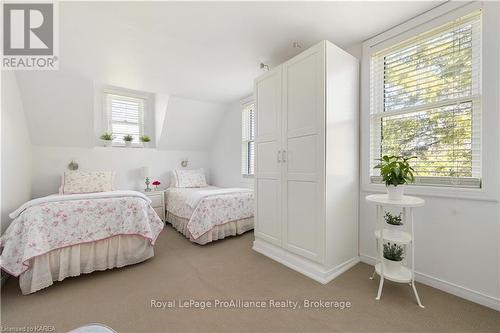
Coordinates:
[229,269]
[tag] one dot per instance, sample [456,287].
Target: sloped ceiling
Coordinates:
[189,124]
[59,108]
[196,51]
[60,112]
[209,51]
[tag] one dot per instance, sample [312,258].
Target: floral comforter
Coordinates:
[215,208]
[57,221]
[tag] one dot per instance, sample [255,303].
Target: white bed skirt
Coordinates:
[219,232]
[79,259]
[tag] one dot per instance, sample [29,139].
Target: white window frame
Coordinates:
[377,115]
[489,121]
[107,121]
[245,143]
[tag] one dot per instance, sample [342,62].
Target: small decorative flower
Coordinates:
[156,183]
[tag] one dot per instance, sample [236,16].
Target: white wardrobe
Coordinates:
[306,166]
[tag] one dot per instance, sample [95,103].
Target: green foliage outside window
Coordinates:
[439,69]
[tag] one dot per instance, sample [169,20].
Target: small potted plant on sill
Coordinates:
[393,255]
[145,140]
[107,139]
[156,183]
[396,172]
[394,223]
[128,140]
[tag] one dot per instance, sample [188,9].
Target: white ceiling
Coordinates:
[208,51]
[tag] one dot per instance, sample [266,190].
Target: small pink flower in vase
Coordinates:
[156,183]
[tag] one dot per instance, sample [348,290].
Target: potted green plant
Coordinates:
[128,140]
[394,223]
[393,255]
[396,172]
[145,140]
[107,139]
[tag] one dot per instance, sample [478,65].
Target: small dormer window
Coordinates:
[125,115]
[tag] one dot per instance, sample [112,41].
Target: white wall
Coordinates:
[16,150]
[65,110]
[498,179]
[161,104]
[59,108]
[190,124]
[50,163]
[225,156]
[355,50]
[457,233]
[64,116]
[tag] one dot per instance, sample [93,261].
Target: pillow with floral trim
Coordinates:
[190,178]
[76,182]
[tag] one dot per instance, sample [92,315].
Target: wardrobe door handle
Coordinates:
[278,156]
[283,156]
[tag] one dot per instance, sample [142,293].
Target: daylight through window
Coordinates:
[425,102]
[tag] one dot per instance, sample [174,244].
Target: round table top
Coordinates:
[406,201]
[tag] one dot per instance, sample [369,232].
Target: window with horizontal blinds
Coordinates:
[125,116]
[247,139]
[425,101]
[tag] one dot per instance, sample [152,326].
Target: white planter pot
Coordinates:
[395,192]
[128,143]
[392,267]
[145,144]
[394,230]
[107,143]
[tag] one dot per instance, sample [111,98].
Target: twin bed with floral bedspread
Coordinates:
[59,236]
[205,213]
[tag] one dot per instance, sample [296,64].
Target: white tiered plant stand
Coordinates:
[406,274]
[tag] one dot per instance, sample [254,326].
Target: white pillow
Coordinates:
[190,178]
[76,182]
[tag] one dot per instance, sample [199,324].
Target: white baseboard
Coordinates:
[310,269]
[451,288]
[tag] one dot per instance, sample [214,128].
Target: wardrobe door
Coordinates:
[303,141]
[268,121]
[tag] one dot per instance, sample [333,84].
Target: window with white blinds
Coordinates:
[425,101]
[247,139]
[125,116]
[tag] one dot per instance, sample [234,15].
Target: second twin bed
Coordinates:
[210,213]
[205,213]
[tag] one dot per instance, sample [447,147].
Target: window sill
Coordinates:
[247,179]
[124,147]
[438,192]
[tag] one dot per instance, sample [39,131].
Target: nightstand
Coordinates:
[157,202]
